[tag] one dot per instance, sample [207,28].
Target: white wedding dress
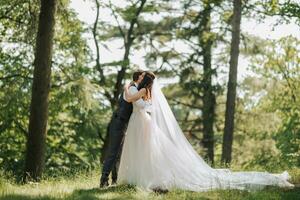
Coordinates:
[156,154]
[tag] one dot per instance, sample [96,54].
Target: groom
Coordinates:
[117,129]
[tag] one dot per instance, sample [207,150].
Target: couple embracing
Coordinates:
[157,155]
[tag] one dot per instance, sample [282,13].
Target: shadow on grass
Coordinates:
[25,197]
[113,192]
[125,192]
[291,194]
[269,193]
[121,192]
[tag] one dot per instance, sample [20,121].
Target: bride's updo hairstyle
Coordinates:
[147,83]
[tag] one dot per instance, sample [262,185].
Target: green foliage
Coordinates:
[285,100]
[15,72]
[288,139]
[271,113]
[76,116]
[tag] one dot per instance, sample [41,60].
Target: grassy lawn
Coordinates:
[86,187]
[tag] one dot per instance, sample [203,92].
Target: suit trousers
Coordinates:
[116,133]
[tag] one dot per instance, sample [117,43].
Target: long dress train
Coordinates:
[156,154]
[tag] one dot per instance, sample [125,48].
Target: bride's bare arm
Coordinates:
[134,97]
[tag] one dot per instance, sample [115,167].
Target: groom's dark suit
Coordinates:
[117,129]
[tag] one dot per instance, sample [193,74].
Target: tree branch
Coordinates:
[186,104]
[116,18]
[98,65]
[127,42]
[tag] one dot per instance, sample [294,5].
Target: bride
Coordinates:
[156,153]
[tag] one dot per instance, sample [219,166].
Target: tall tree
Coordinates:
[232,83]
[130,15]
[209,101]
[35,154]
[198,71]
[128,38]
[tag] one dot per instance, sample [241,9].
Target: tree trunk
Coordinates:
[232,82]
[128,41]
[208,94]
[37,130]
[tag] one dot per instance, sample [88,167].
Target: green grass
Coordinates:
[85,187]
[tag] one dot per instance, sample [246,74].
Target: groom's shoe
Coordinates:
[113,182]
[104,184]
[160,191]
[104,181]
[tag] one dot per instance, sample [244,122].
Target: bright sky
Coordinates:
[265,30]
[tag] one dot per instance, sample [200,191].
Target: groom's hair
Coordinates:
[147,81]
[136,74]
